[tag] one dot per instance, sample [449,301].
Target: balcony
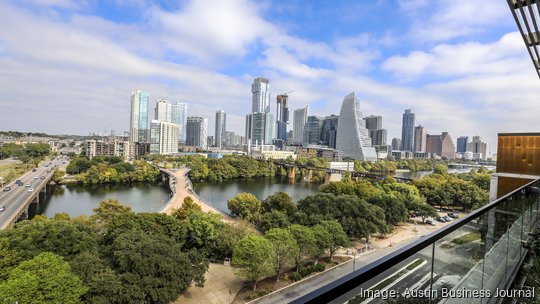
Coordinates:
[469,261]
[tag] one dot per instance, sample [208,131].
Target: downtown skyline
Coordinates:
[461,77]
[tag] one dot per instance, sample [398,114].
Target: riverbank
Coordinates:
[182,188]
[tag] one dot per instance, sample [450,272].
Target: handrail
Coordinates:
[341,286]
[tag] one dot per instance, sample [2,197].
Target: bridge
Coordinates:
[18,200]
[291,172]
[478,165]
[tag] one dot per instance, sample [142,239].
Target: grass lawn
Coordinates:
[467,238]
[11,171]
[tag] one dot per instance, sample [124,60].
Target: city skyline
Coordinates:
[91,59]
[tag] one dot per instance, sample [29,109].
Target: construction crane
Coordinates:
[287,93]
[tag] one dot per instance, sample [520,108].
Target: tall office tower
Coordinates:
[163,111]
[462,143]
[196,132]
[378,137]
[407,131]
[221,126]
[139,117]
[179,117]
[373,122]
[313,131]
[299,121]
[441,145]
[210,141]
[260,89]
[352,136]
[478,146]
[282,117]
[420,137]
[396,144]
[329,131]
[163,137]
[259,128]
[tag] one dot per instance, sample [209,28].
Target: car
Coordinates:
[447,218]
[430,222]
[34,170]
[36,177]
[28,185]
[2,208]
[6,189]
[440,219]
[30,189]
[453,215]
[42,177]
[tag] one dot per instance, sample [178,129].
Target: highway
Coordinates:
[15,200]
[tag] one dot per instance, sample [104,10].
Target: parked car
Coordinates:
[453,215]
[6,189]
[430,222]
[447,218]
[440,219]
[2,208]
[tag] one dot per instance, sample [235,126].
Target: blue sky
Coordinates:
[70,66]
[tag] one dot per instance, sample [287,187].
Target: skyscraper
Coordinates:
[299,121]
[260,123]
[420,137]
[139,117]
[179,117]
[261,95]
[396,144]
[478,146]
[352,136]
[462,142]
[441,145]
[163,137]
[378,137]
[163,110]
[196,132]
[221,123]
[373,122]
[329,131]
[313,130]
[407,131]
[282,117]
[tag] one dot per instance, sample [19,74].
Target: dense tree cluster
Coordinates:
[115,256]
[26,152]
[102,170]
[393,165]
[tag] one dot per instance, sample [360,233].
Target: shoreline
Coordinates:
[181,188]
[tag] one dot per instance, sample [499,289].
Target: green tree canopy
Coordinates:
[246,206]
[305,239]
[254,256]
[285,248]
[280,201]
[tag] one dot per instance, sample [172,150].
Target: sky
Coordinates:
[69,67]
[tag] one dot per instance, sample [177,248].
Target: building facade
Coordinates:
[420,137]
[282,118]
[407,131]
[373,122]
[396,144]
[329,131]
[163,137]
[352,136]
[197,132]
[259,128]
[139,117]
[299,121]
[462,143]
[220,129]
[313,131]
[441,145]
[260,90]
[478,146]
[109,148]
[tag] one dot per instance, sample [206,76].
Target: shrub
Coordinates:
[295,276]
[304,272]
[319,267]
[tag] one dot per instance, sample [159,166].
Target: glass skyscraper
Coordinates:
[407,131]
[139,117]
[221,125]
[260,90]
[299,121]
[352,136]
[260,123]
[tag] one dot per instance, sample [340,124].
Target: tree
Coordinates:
[285,248]
[274,219]
[109,209]
[46,278]
[227,238]
[280,201]
[338,237]
[188,208]
[202,230]
[254,256]
[305,239]
[246,206]
[9,258]
[323,240]
[395,211]
[422,209]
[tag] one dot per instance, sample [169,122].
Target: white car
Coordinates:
[2,208]
[28,185]
[36,177]
[30,189]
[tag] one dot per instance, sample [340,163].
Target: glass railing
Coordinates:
[473,260]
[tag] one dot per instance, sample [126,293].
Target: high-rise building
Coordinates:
[111,147]
[407,131]
[329,131]
[210,141]
[420,137]
[261,95]
[373,122]
[139,117]
[378,137]
[441,145]
[196,132]
[352,136]
[478,146]
[179,117]
[163,137]
[462,143]
[221,125]
[313,131]
[396,144]
[299,121]
[282,117]
[163,110]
